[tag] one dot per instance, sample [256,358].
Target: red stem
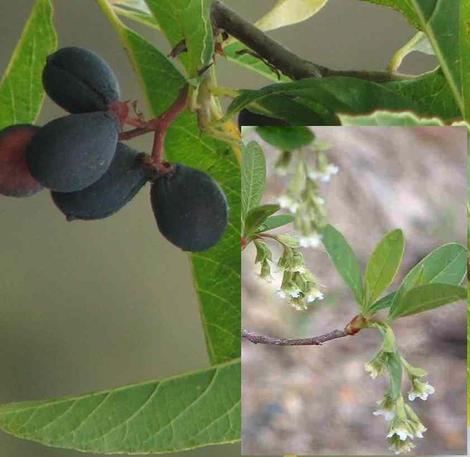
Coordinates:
[162,123]
[160,126]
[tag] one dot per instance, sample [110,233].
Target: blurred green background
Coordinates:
[88,306]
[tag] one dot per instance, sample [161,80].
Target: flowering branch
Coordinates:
[310,341]
[277,55]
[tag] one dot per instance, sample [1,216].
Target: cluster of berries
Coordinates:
[90,173]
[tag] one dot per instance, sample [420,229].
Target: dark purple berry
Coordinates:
[79,81]
[124,178]
[15,178]
[190,208]
[73,152]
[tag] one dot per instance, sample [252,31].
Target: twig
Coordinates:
[280,57]
[311,341]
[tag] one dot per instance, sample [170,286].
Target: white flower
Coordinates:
[268,278]
[386,408]
[329,171]
[288,203]
[325,174]
[419,429]
[289,293]
[311,241]
[415,422]
[388,415]
[314,295]
[420,389]
[400,447]
[376,365]
[401,431]
[295,293]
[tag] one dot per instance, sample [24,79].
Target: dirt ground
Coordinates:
[319,400]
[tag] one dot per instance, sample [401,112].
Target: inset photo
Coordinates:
[354,262]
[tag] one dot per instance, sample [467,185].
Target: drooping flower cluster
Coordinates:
[297,283]
[308,168]
[403,423]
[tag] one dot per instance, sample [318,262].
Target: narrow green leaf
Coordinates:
[286,137]
[445,265]
[426,297]
[21,92]
[383,265]
[256,216]
[339,94]
[169,415]
[402,6]
[187,20]
[418,42]
[344,260]
[289,12]
[274,222]
[440,21]
[431,95]
[216,271]
[137,11]
[253,176]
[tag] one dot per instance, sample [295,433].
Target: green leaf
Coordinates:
[383,265]
[137,11]
[174,414]
[286,137]
[402,6]
[274,222]
[187,20]
[339,94]
[253,176]
[426,297]
[445,265]
[384,302]
[256,216]
[288,12]
[388,118]
[440,21]
[234,52]
[431,95]
[216,271]
[418,42]
[344,260]
[21,92]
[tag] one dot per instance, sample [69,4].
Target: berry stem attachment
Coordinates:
[161,125]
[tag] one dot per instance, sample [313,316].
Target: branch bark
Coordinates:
[279,56]
[311,341]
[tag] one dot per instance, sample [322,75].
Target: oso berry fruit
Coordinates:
[73,152]
[124,178]
[246,118]
[15,178]
[190,208]
[79,80]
